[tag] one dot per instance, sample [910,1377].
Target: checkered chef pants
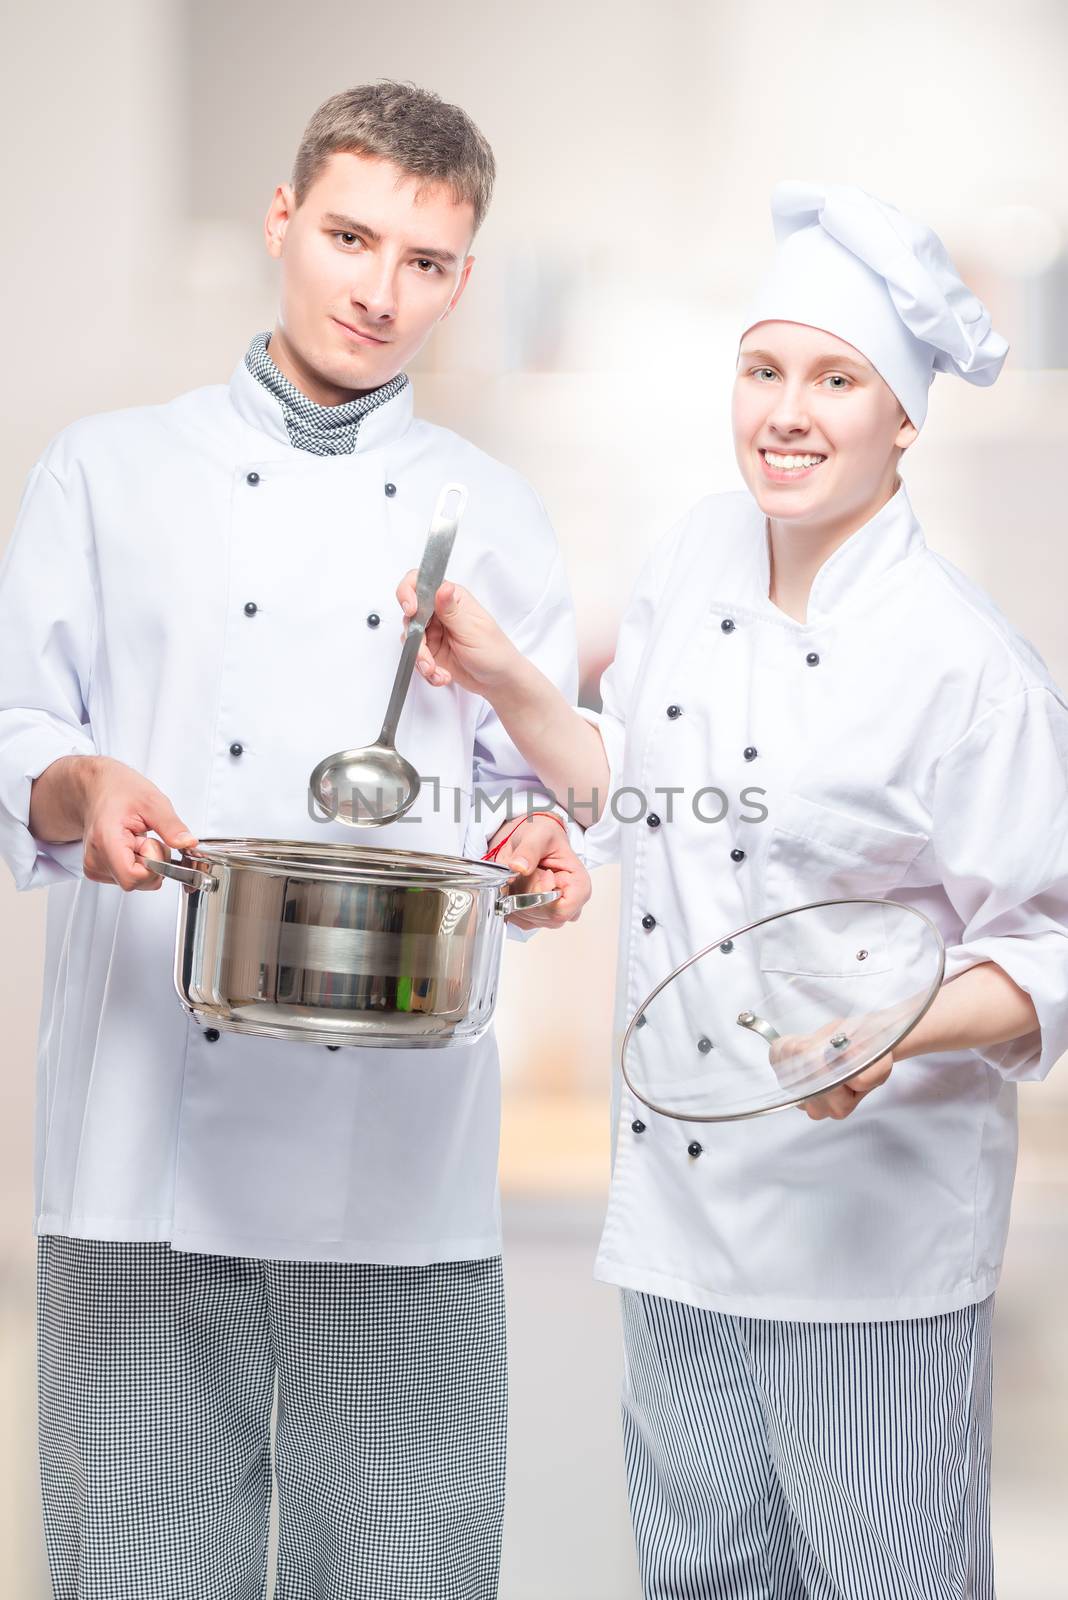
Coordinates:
[157,1373]
[808,1460]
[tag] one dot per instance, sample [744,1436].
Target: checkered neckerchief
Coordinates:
[324,430]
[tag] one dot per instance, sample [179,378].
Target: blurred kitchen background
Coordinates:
[637,145]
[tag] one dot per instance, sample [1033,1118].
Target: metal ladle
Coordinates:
[374,785]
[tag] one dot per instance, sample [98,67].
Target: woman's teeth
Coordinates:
[791,463]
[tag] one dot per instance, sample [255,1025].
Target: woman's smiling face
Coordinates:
[817,432]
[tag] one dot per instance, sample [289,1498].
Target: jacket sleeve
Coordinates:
[619,684]
[502,781]
[47,635]
[1002,843]
[503,784]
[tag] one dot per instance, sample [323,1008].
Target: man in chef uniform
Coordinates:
[195,608]
[807,1297]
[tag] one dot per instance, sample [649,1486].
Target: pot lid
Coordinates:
[781,1010]
[352,862]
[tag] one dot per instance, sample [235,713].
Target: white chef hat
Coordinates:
[857,268]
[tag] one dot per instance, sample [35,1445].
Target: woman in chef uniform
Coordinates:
[807,1297]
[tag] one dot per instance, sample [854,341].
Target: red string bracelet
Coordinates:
[492,854]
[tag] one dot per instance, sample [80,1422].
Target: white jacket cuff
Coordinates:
[25,755]
[601,842]
[1038,963]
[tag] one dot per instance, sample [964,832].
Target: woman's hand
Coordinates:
[540,854]
[462,643]
[843,1100]
[791,1058]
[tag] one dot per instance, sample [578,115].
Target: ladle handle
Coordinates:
[439,544]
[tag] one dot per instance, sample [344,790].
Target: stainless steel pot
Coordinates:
[340,944]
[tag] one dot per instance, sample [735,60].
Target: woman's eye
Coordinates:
[763,374]
[838,382]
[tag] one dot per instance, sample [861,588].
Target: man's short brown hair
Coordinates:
[422,134]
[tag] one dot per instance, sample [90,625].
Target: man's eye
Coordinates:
[426,266]
[348,238]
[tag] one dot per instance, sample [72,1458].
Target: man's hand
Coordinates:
[792,1052]
[113,809]
[540,854]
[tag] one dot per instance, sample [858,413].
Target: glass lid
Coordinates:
[782,1009]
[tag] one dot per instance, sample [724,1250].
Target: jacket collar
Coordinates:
[861,561]
[258,407]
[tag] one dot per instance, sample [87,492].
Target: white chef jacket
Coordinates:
[921,757]
[140,540]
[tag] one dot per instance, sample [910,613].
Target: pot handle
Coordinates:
[189,876]
[509,904]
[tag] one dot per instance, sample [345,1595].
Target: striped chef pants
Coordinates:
[808,1460]
[157,1372]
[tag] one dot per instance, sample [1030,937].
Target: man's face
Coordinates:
[817,432]
[369,264]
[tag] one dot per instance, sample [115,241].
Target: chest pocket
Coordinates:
[817,853]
